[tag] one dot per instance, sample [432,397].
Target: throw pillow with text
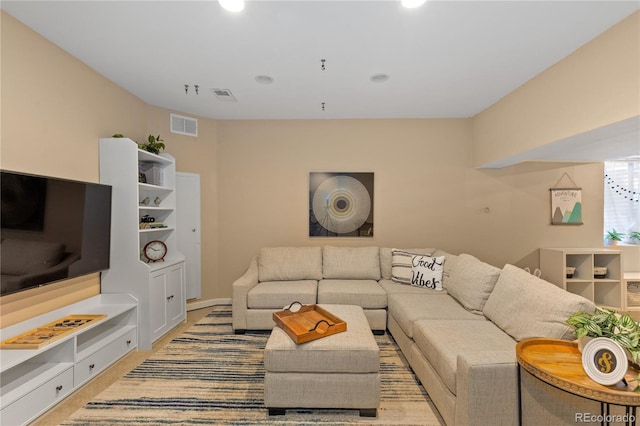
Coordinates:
[426,272]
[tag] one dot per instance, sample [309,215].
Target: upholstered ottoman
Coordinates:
[337,371]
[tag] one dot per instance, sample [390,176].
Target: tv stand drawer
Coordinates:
[38,400]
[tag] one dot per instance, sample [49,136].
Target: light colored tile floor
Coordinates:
[77,400]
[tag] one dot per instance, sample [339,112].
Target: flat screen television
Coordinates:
[51,229]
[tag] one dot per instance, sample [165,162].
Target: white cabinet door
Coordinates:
[158,303]
[175,294]
[188,229]
[168,305]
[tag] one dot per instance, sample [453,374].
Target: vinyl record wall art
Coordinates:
[341,204]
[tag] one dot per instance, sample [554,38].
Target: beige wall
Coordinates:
[54,109]
[597,85]
[426,191]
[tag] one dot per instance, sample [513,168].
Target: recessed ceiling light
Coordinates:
[379,78]
[232,5]
[412,4]
[264,79]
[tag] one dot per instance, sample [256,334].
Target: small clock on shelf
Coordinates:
[154,251]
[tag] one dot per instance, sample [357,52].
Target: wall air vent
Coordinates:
[223,95]
[184,125]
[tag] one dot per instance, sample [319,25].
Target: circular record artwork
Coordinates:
[341,204]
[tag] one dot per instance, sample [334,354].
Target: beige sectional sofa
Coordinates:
[460,341]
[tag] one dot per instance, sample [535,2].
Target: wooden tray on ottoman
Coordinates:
[311,322]
[41,336]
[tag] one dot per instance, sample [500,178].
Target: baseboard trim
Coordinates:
[200,304]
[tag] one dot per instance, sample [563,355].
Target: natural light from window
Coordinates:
[622,199]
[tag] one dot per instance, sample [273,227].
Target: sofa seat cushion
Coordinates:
[355,263]
[278,294]
[441,341]
[472,281]
[526,306]
[407,308]
[290,263]
[365,293]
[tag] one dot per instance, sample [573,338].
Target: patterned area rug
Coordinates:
[210,376]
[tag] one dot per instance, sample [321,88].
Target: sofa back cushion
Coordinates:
[290,263]
[471,282]
[21,257]
[449,263]
[358,263]
[526,306]
[386,259]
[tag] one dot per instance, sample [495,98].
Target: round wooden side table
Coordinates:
[559,364]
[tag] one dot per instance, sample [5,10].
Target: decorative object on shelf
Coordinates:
[154,144]
[152,172]
[570,271]
[608,323]
[566,203]
[145,201]
[600,272]
[151,225]
[604,361]
[612,237]
[147,219]
[41,336]
[157,201]
[155,251]
[341,204]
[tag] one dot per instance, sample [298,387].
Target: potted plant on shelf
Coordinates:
[635,237]
[613,237]
[154,144]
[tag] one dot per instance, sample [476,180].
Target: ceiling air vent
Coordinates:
[184,125]
[223,95]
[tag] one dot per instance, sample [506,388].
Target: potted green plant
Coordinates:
[608,323]
[635,237]
[154,144]
[613,236]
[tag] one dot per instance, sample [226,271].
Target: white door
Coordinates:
[188,225]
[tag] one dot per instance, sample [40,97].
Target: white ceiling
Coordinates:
[444,59]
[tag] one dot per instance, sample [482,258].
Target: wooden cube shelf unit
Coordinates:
[607,292]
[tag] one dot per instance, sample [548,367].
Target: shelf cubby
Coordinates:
[606,292]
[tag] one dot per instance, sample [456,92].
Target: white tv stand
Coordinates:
[34,380]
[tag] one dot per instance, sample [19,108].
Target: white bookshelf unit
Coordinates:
[606,292]
[632,290]
[34,380]
[159,286]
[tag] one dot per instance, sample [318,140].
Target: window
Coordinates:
[622,196]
